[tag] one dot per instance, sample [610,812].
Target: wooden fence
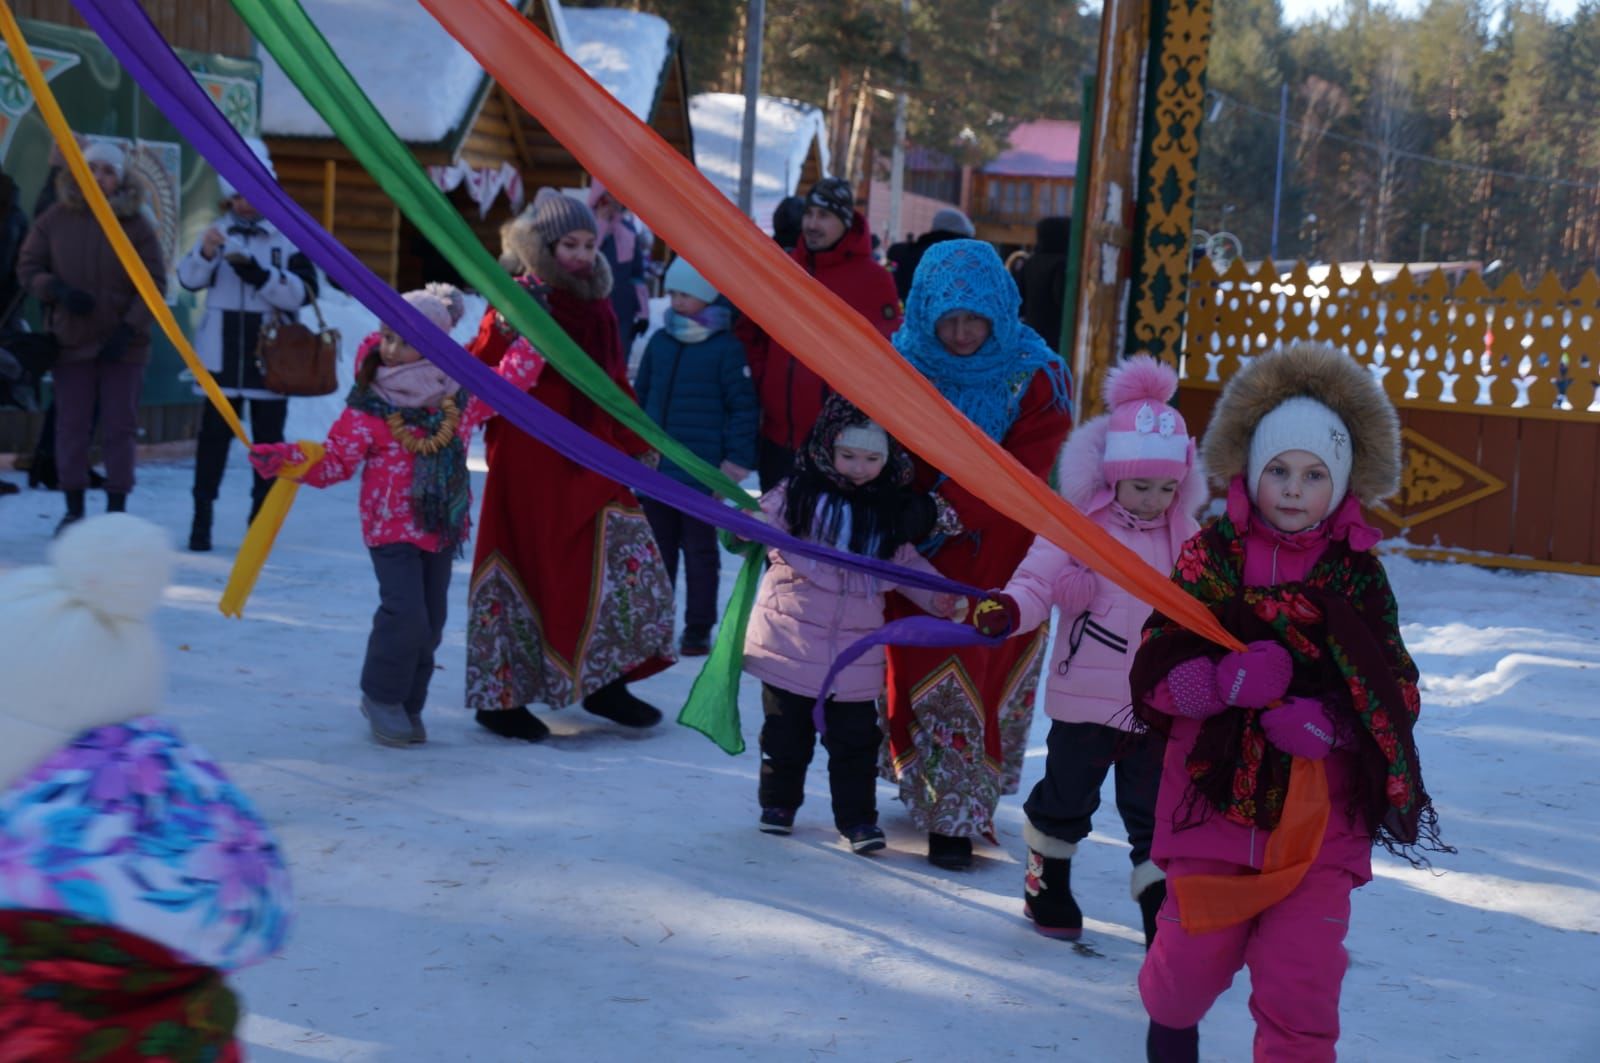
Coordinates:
[1498,392]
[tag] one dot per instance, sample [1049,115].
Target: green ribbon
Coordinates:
[294,41]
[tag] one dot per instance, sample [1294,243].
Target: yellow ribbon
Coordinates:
[137,272]
[264,530]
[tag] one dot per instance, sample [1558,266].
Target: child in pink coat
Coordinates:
[1132,472]
[851,487]
[1286,761]
[407,426]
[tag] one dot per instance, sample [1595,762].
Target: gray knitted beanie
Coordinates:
[555,214]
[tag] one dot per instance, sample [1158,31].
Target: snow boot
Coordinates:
[1167,1044]
[200,527]
[514,723]
[1148,885]
[948,852]
[388,723]
[116,502]
[1047,886]
[419,733]
[616,703]
[864,838]
[696,642]
[74,510]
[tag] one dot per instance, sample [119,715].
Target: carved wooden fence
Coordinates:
[1498,392]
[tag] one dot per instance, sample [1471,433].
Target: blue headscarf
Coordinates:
[987,386]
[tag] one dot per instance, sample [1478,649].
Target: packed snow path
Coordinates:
[606,896]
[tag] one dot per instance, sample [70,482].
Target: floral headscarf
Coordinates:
[987,386]
[822,505]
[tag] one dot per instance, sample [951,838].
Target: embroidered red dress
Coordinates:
[568,587]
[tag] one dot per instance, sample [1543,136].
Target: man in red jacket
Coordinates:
[835,248]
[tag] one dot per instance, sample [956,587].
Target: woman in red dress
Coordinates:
[958,720]
[570,600]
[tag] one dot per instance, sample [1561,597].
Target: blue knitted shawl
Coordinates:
[988,385]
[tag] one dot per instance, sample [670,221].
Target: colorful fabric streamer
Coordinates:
[264,531]
[146,285]
[681,207]
[911,631]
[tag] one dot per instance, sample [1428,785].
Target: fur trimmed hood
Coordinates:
[523,248]
[1323,372]
[126,202]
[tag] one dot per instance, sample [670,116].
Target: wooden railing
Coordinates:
[1498,390]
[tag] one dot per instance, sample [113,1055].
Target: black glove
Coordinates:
[117,345]
[250,271]
[640,327]
[917,518]
[74,301]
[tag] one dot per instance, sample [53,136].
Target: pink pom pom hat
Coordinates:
[1146,439]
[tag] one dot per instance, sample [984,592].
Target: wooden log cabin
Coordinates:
[464,124]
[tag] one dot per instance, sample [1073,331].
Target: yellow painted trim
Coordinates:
[1525,564]
[1492,484]
[1521,413]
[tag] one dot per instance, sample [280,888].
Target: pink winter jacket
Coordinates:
[808,611]
[363,440]
[1100,622]
[1270,556]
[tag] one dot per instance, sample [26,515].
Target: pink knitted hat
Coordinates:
[1147,439]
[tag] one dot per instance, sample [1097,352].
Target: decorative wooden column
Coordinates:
[1140,204]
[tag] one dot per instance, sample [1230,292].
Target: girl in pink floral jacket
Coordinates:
[406,426]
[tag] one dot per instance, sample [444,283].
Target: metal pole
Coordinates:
[897,157]
[1277,180]
[755,19]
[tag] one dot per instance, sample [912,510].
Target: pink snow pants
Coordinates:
[1295,952]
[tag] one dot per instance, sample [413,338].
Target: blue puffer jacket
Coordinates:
[701,394]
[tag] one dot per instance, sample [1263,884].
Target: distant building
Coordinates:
[791,147]
[1030,180]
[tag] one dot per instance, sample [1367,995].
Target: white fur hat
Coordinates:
[76,647]
[1302,423]
[106,153]
[258,148]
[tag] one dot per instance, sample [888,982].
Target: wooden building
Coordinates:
[487,152]
[1031,179]
[199,25]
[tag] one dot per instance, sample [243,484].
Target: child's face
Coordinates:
[1295,491]
[963,332]
[856,465]
[393,350]
[687,305]
[575,252]
[1146,499]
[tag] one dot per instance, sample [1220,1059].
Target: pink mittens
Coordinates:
[1300,727]
[1193,686]
[1255,678]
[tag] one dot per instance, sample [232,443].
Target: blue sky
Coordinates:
[1299,10]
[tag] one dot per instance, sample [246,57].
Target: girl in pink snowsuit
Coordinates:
[1130,471]
[1287,761]
[406,426]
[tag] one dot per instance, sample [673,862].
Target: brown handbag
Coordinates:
[296,361]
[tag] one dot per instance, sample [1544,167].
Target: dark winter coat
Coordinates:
[701,394]
[1044,280]
[13,230]
[791,395]
[237,308]
[67,247]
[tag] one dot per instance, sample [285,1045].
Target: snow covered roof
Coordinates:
[1046,148]
[423,82]
[785,132]
[626,51]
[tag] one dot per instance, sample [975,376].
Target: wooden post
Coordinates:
[330,184]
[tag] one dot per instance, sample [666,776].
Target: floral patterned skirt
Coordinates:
[71,989]
[952,757]
[558,630]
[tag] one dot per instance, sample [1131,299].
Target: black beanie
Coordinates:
[833,194]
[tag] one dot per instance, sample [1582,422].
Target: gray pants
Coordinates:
[413,594]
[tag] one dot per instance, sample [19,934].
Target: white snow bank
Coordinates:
[416,74]
[625,51]
[785,131]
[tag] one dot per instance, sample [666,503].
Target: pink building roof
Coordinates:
[1046,148]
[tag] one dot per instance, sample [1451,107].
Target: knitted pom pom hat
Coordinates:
[1146,439]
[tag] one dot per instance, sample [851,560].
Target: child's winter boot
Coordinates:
[1149,888]
[389,723]
[1166,1044]
[1047,887]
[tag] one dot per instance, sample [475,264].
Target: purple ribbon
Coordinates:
[127,31]
[925,631]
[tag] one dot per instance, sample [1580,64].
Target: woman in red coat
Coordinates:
[569,600]
[958,720]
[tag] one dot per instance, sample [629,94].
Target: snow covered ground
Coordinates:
[606,896]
